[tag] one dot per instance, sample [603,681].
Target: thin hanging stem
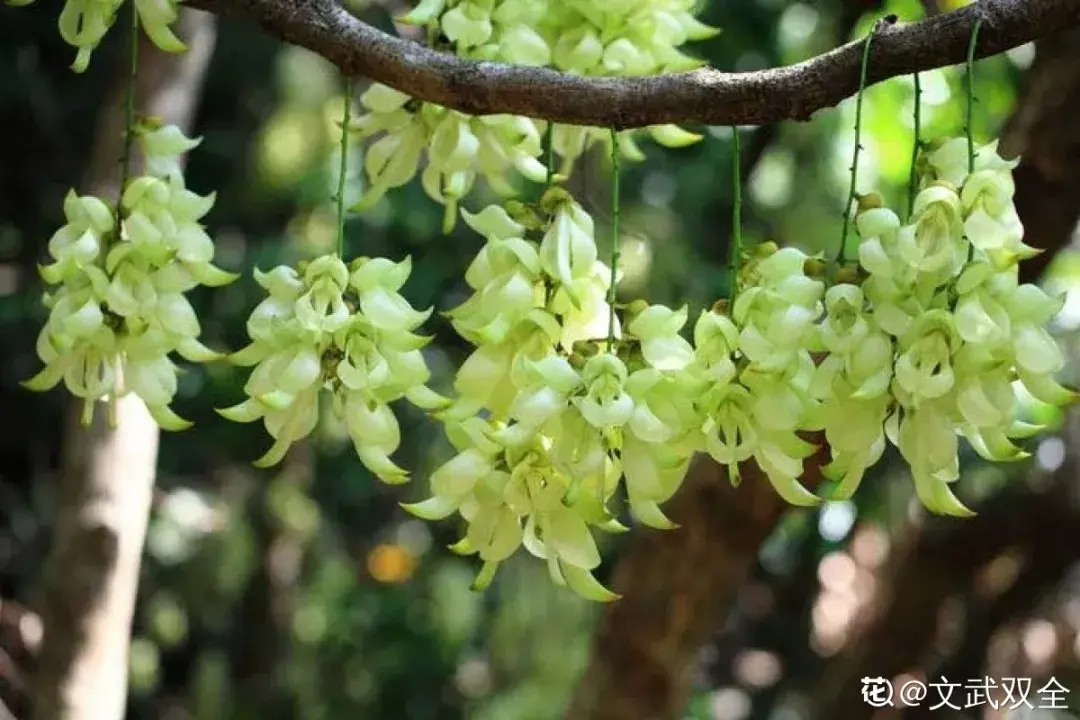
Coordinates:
[549,149]
[129,113]
[736,215]
[614,235]
[343,168]
[913,178]
[858,146]
[112,418]
[971,100]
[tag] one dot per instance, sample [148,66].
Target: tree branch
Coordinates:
[704,96]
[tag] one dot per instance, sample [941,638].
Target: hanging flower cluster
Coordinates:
[943,290]
[459,147]
[624,38]
[926,344]
[573,402]
[634,37]
[757,369]
[566,398]
[84,23]
[342,328]
[119,309]
[323,327]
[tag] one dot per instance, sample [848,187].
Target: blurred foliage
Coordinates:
[305,592]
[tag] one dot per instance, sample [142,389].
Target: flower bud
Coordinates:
[869,201]
[815,267]
[764,249]
[847,274]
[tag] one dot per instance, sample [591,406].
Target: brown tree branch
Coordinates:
[704,96]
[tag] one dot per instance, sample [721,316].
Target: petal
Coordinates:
[435,508]
[667,353]
[572,540]
[167,419]
[584,584]
[1036,350]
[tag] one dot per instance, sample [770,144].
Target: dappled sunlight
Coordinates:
[999,575]
[391,563]
[847,588]
[758,669]
[290,142]
[731,703]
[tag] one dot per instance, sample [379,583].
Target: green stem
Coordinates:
[736,215]
[913,178]
[971,91]
[858,146]
[970,108]
[614,235]
[125,174]
[129,115]
[343,168]
[549,147]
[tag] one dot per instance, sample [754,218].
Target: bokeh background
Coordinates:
[305,592]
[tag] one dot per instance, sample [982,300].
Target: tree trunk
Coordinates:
[103,499]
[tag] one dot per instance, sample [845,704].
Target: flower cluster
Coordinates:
[559,404]
[574,402]
[458,147]
[634,37]
[567,399]
[119,308]
[757,370]
[84,23]
[626,37]
[349,332]
[943,289]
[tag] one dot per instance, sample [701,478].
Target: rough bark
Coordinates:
[104,497]
[704,96]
